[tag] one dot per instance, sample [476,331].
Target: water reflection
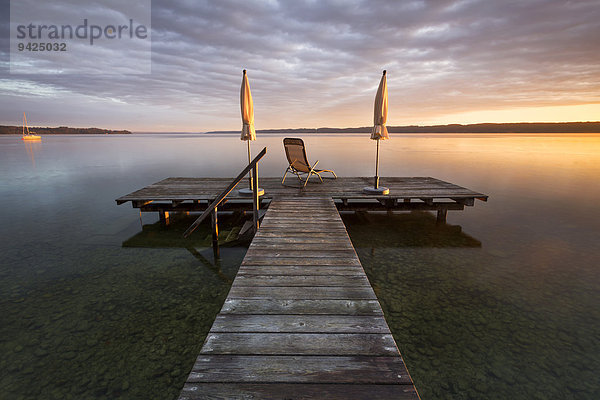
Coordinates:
[100,321]
[517,315]
[474,322]
[414,229]
[132,326]
[161,235]
[32,147]
[158,235]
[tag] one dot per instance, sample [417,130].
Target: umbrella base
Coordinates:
[381,190]
[248,192]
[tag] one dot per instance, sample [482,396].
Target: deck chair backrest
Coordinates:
[296,154]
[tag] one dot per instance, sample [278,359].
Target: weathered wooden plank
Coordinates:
[299,369]
[338,242]
[300,261]
[290,270]
[305,247]
[304,231]
[295,234]
[300,323]
[304,227]
[301,307]
[465,201]
[314,237]
[256,254]
[237,391]
[334,243]
[325,219]
[363,206]
[301,215]
[295,211]
[305,220]
[301,293]
[302,280]
[203,194]
[299,203]
[300,246]
[368,344]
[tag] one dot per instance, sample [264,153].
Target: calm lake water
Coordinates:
[503,302]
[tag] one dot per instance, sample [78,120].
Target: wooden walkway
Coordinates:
[301,320]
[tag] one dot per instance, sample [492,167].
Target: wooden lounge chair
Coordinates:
[298,162]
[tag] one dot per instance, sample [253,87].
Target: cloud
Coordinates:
[318,63]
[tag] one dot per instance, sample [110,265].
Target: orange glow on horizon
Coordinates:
[569,113]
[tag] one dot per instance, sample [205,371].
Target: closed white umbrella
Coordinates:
[248,131]
[379,131]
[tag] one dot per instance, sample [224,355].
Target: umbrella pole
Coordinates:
[376,183]
[249,161]
[375,189]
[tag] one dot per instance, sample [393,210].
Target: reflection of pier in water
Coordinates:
[158,236]
[414,229]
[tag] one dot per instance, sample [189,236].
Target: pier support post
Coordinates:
[215,233]
[164,217]
[441,216]
[255,199]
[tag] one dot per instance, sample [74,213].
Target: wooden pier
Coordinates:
[406,194]
[301,320]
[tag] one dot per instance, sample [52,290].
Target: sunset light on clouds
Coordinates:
[318,63]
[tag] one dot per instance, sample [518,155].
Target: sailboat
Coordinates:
[29,135]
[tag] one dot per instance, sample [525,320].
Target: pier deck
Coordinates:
[406,193]
[301,320]
[205,189]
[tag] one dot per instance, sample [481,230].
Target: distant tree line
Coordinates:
[520,127]
[61,130]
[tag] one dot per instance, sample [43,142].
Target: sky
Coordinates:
[317,63]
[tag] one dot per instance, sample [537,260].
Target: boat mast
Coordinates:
[25,127]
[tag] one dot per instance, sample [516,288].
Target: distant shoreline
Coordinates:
[483,128]
[520,127]
[61,130]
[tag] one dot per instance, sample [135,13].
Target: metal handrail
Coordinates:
[212,208]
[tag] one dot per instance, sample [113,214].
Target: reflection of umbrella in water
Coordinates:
[248,131]
[379,131]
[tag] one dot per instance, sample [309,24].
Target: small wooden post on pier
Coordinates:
[255,198]
[215,233]
[441,216]
[164,217]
